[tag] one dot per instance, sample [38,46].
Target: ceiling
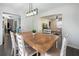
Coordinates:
[43,7]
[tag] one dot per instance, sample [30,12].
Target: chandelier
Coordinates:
[32,12]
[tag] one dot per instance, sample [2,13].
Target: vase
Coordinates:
[33,33]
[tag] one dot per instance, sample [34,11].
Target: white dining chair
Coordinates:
[56,51]
[13,51]
[24,51]
[63,48]
[53,50]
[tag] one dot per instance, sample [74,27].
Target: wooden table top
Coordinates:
[40,42]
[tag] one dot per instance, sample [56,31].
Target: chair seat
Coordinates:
[29,51]
[57,52]
[53,52]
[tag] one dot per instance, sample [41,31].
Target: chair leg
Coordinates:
[15,53]
[11,51]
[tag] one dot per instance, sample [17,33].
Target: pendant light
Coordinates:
[32,12]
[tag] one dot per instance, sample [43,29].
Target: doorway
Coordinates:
[11,22]
[54,24]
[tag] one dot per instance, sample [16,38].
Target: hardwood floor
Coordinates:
[1,50]
[5,49]
[72,51]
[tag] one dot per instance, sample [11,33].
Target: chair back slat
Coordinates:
[13,42]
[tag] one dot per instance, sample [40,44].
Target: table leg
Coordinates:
[37,53]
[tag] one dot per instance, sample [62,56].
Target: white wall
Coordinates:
[1,31]
[70,22]
[26,24]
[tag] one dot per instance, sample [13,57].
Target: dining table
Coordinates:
[40,42]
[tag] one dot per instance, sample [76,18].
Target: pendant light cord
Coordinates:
[30,6]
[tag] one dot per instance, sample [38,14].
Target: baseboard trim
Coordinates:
[73,46]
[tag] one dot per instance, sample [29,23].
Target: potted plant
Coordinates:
[33,31]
